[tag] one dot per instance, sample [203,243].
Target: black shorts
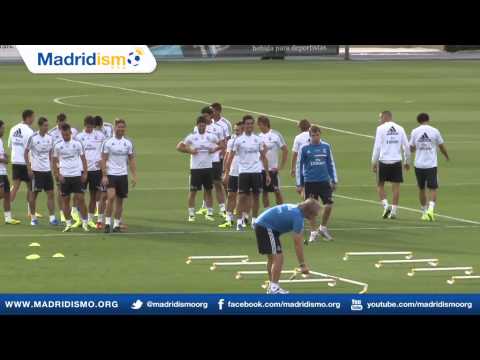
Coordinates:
[390,172]
[42,181]
[4,183]
[71,185]
[268,240]
[322,190]
[201,178]
[94,181]
[250,182]
[274,183]
[232,184]
[120,184]
[427,177]
[20,172]
[217,170]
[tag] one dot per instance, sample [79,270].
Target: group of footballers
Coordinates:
[241,164]
[94,160]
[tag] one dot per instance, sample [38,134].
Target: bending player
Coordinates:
[279,220]
[318,178]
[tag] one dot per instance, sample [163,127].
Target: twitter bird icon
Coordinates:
[137,305]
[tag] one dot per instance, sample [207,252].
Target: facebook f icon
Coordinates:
[220,304]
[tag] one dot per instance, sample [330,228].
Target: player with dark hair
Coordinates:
[56,134]
[17,141]
[38,157]
[318,177]
[67,156]
[92,140]
[424,141]
[4,183]
[300,140]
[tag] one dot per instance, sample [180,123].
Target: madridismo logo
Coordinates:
[87,59]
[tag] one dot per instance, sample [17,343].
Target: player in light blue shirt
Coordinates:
[279,220]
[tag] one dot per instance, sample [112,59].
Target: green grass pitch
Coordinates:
[340,95]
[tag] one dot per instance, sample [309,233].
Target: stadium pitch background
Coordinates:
[337,95]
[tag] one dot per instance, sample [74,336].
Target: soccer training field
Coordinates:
[160,110]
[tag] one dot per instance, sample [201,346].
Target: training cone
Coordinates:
[34,244]
[32,257]
[58,255]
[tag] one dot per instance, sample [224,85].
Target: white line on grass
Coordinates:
[60,100]
[259,113]
[148,233]
[208,103]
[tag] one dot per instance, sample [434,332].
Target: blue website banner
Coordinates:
[239,304]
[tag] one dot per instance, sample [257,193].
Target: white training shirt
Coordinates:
[300,140]
[17,141]
[56,134]
[92,145]
[274,142]
[3,166]
[227,127]
[203,143]
[107,130]
[426,138]
[217,130]
[234,164]
[40,148]
[118,151]
[68,154]
[248,148]
[390,140]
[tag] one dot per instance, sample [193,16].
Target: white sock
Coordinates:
[204,205]
[191,211]
[385,203]
[33,217]
[90,217]
[52,218]
[74,210]
[84,221]
[313,234]
[108,221]
[69,222]
[8,215]
[239,221]
[431,205]
[229,216]
[222,207]
[116,222]
[254,220]
[394,209]
[321,228]
[209,211]
[273,286]
[244,215]
[101,218]
[97,205]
